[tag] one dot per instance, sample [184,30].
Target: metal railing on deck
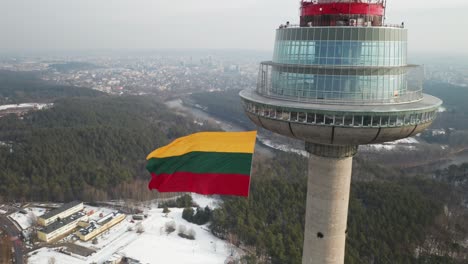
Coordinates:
[285,26]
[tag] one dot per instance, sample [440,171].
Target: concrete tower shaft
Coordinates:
[329,181]
[338,80]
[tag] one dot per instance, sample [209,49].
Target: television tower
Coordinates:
[338,80]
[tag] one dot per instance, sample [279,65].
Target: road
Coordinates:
[10,229]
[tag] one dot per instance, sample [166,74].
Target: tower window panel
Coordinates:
[272,113]
[348,120]
[320,119]
[329,120]
[279,113]
[384,121]
[339,120]
[424,117]
[358,121]
[302,117]
[376,121]
[413,118]
[310,118]
[293,116]
[400,120]
[418,118]
[392,121]
[367,120]
[407,119]
[255,109]
[284,115]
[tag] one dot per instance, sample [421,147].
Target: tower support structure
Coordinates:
[328,187]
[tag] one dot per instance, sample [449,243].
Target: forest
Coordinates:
[389,218]
[88,146]
[92,147]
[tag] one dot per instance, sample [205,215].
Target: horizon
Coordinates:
[58,26]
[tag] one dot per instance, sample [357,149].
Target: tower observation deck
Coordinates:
[337,80]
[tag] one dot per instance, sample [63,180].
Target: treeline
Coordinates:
[84,148]
[388,219]
[25,87]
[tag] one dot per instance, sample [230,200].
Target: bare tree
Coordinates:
[52,260]
[214,245]
[140,228]
[182,229]
[233,241]
[32,219]
[191,234]
[170,227]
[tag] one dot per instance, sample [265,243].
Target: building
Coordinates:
[92,229]
[338,80]
[61,227]
[138,217]
[114,259]
[62,212]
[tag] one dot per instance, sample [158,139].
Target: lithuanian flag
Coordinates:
[204,163]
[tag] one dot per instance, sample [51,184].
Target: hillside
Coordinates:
[84,148]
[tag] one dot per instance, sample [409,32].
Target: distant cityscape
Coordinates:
[142,75]
[168,75]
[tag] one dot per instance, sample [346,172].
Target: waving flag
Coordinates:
[204,163]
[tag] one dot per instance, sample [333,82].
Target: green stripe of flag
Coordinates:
[203,162]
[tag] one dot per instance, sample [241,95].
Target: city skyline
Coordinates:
[52,25]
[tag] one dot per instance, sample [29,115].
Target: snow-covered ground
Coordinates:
[406,144]
[5,144]
[28,105]
[438,132]
[25,220]
[204,200]
[401,144]
[283,147]
[154,245]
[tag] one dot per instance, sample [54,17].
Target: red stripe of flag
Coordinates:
[201,183]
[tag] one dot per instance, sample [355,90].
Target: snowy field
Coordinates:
[25,220]
[27,105]
[153,245]
[283,147]
[402,144]
[204,200]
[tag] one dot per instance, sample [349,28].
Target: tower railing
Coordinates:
[387,25]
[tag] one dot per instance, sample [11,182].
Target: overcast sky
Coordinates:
[435,26]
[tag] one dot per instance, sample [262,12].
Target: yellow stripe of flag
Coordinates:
[227,142]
